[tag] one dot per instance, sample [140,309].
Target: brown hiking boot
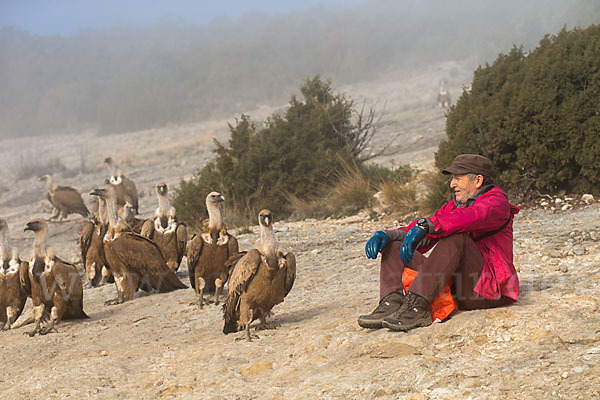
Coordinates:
[387,306]
[414,312]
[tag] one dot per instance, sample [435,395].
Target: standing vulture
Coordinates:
[259,281]
[51,282]
[94,262]
[136,262]
[165,231]
[64,199]
[124,187]
[209,251]
[12,293]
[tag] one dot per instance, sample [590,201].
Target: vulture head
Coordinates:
[161,188]
[265,218]
[106,193]
[214,198]
[36,225]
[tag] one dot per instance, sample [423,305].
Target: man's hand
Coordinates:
[376,244]
[410,243]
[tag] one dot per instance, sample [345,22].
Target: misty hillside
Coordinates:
[123,79]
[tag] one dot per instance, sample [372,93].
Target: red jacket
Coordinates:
[489,212]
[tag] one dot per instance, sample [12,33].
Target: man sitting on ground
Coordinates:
[473,239]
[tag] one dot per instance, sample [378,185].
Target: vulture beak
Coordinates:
[97,192]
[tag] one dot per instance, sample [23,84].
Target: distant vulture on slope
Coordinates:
[209,250]
[51,282]
[165,231]
[12,293]
[124,187]
[64,199]
[261,279]
[135,261]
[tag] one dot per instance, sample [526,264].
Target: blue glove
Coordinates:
[375,244]
[410,243]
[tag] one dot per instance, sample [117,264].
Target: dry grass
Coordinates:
[350,194]
[398,198]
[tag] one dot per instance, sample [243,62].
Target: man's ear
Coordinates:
[479,181]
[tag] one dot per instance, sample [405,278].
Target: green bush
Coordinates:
[535,116]
[298,154]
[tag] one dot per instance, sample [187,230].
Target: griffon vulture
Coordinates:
[12,294]
[92,248]
[124,187]
[165,231]
[259,281]
[51,282]
[64,199]
[135,261]
[209,250]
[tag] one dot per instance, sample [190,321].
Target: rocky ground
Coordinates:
[545,346]
[158,346]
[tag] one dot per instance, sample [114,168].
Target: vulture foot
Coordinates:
[48,329]
[33,332]
[113,302]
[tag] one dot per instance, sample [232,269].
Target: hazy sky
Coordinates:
[68,16]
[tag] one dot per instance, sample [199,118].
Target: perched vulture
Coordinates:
[12,293]
[260,280]
[64,199]
[209,250]
[94,262]
[135,261]
[124,187]
[51,282]
[128,215]
[165,231]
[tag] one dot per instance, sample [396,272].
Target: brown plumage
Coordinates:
[125,188]
[209,250]
[51,282]
[135,261]
[165,231]
[261,279]
[64,199]
[12,293]
[94,262]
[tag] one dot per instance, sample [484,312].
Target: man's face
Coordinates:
[465,187]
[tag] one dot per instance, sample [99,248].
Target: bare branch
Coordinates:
[360,134]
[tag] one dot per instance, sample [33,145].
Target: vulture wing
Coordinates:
[24,277]
[148,228]
[130,191]
[193,255]
[181,233]
[87,231]
[290,276]
[142,256]
[243,272]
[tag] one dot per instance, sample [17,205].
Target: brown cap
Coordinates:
[470,164]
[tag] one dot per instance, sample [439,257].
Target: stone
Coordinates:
[392,350]
[256,368]
[587,198]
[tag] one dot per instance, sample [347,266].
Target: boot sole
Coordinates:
[370,323]
[404,328]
